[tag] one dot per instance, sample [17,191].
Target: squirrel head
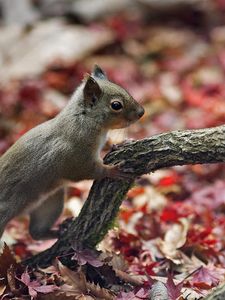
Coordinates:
[109,103]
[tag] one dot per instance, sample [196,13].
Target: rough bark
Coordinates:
[138,157]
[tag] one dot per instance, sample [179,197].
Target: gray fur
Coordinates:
[37,167]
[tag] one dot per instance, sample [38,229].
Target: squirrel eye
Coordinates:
[116,105]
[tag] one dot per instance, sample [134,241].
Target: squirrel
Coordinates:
[35,170]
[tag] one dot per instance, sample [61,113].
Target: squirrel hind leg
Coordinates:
[45,215]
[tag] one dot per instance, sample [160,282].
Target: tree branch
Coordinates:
[138,157]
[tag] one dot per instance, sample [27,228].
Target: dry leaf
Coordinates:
[2,289]
[75,280]
[99,292]
[6,260]
[132,279]
[79,287]
[175,238]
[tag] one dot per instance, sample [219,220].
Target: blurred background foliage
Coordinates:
[168,54]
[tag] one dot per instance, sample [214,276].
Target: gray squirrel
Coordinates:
[35,170]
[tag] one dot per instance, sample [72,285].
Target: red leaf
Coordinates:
[142,293]
[135,191]
[149,226]
[87,256]
[20,249]
[169,180]
[174,290]
[169,214]
[176,211]
[149,268]
[128,244]
[126,214]
[34,286]
[205,278]
[220,4]
[30,93]
[204,238]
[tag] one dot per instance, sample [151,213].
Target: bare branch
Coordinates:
[139,157]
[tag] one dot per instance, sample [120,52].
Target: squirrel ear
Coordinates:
[92,91]
[98,72]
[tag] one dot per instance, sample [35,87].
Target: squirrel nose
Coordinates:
[141,111]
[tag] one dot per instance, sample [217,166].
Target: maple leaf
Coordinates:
[78,286]
[175,211]
[141,294]
[143,265]
[120,267]
[174,291]
[100,293]
[34,286]
[203,240]
[87,256]
[76,281]
[205,278]
[128,244]
[133,279]
[169,214]
[169,180]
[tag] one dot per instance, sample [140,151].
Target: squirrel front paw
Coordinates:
[117,172]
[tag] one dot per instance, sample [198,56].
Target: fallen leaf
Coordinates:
[87,256]
[76,281]
[205,278]
[2,289]
[132,279]
[6,260]
[174,290]
[141,294]
[175,238]
[35,287]
[99,292]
